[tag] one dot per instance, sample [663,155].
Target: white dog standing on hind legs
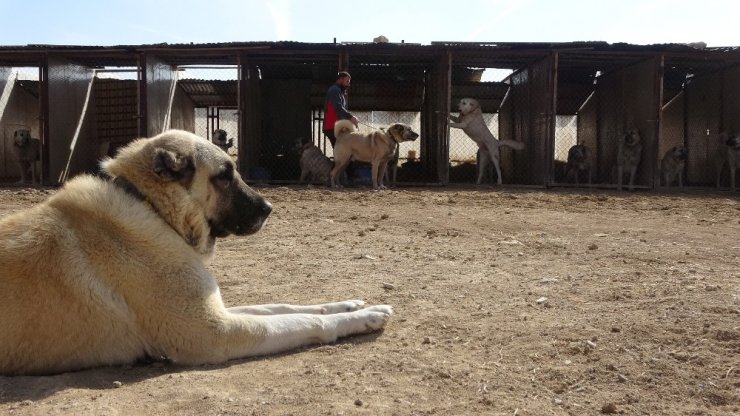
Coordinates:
[133,282]
[472,123]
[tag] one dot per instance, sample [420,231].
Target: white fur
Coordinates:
[472,123]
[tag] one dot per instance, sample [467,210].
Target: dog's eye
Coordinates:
[225,176]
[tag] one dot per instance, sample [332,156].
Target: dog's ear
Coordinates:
[171,166]
[396,130]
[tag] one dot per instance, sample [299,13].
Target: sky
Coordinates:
[136,22]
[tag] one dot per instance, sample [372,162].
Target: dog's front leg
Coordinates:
[320,309]
[382,170]
[732,178]
[338,169]
[24,172]
[375,172]
[720,165]
[460,122]
[620,173]
[633,171]
[280,333]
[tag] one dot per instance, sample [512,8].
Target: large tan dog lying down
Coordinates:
[105,272]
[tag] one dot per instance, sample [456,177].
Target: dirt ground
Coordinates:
[507,302]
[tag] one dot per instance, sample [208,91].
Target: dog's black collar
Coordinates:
[129,187]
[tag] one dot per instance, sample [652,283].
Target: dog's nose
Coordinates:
[265,209]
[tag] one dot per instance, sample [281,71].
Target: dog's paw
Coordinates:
[386,309]
[344,306]
[378,316]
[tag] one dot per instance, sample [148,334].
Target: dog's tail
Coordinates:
[343,127]
[511,143]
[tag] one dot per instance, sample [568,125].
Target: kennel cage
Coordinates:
[20,108]
[600,96]
[513,86]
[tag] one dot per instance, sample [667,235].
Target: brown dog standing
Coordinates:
[377,148]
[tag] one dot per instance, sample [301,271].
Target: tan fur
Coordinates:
[377,148]
[728,153]
[472,123]
[108,271]
[314,164]
[672,165]
[27,151]
[629,152]
[579,160]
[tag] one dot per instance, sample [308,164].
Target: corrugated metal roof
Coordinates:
[210,92]
[482,54]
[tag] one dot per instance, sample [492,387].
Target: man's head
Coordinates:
[343,79]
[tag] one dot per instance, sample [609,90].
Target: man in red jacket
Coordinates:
[335,106]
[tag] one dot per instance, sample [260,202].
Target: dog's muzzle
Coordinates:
[246,215]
